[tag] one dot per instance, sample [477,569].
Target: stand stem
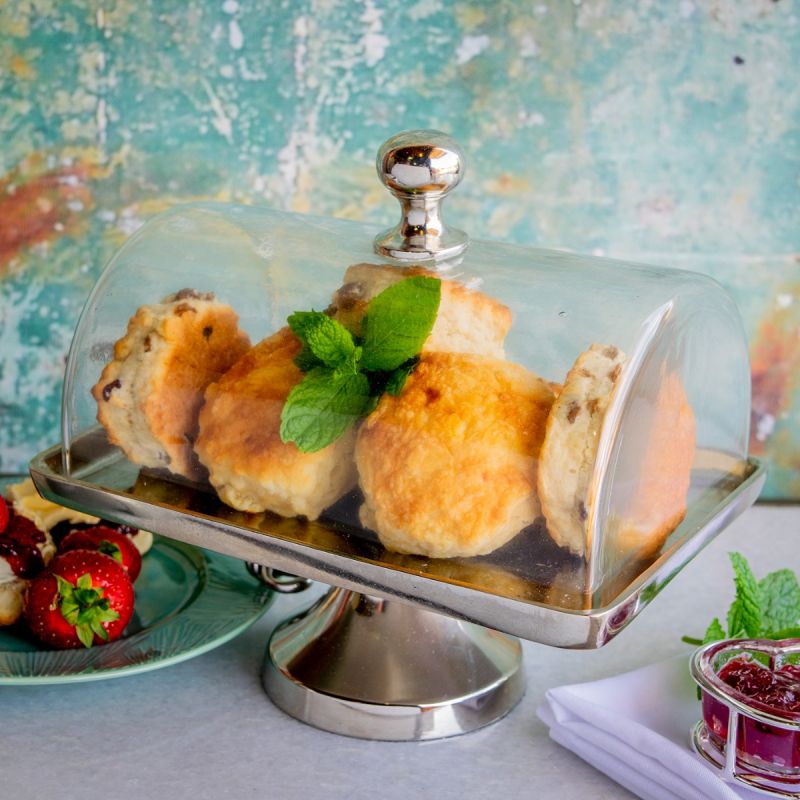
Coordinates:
[379,669]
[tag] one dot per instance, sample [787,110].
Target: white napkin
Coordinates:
[635,728]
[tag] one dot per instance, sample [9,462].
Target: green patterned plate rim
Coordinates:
[188,601]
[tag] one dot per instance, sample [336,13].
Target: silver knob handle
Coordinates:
[420,168]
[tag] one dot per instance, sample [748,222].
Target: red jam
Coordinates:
[18,546]
[777,691]
[773,691]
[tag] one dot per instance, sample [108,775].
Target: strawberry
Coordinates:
[84,598]
[3,514]
[109,542]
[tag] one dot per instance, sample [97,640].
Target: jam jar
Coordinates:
[750,695]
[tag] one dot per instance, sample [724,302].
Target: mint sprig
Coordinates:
[765,609]
[345,375]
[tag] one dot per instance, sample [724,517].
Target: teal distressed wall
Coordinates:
[661,130]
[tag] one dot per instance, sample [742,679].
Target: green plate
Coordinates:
[188,601]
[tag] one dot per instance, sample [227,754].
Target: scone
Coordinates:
[149,396]
[467,322]
[570,444]
[239,439]
[448,468]
[665,436]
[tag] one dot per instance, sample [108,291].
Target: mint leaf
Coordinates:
[398,322]
[351,365]
[785,633]
[302,321]
[392,382]
[372,404]
[322,407]
[305,360]
[328,340]
[735,622]
[397,379]
[745,612]
[780,601]
[714,633]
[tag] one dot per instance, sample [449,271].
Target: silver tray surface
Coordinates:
[529,588]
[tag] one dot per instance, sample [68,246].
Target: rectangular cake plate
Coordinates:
[501,593]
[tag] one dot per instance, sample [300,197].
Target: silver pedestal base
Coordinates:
[379,669]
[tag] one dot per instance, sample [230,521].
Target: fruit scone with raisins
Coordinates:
[149,396]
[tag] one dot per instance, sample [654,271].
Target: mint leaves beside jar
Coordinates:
[762,609]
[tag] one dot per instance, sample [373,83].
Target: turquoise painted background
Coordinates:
[666,131]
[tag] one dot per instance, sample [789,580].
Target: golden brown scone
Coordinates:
[570,444]
[240,444]
[149,396]
[657,504]
[467,322]
[448,468]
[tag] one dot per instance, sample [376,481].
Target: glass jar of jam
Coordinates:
[750,693]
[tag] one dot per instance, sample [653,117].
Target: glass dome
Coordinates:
[540,426]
